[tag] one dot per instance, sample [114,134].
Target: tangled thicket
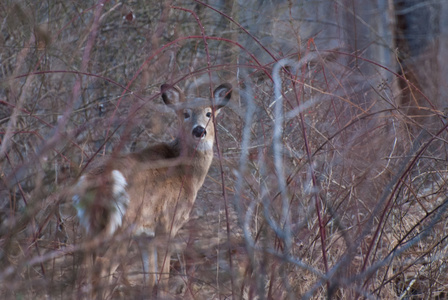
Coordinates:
[330,173]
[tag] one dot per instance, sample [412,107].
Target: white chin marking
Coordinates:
[204,145]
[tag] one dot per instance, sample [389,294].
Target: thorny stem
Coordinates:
[278,160]
[218,150]
[313,173]
[278,163]
[84,63]
[406,169]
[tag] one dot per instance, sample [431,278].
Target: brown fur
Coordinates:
[162,182]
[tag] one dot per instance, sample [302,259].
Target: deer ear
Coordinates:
[172,95]
[222,95]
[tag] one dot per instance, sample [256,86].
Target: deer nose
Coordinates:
[199,132]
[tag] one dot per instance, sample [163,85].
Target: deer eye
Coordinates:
[209,114]
[186,115]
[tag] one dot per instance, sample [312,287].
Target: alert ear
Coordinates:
[222,95]
[172,95]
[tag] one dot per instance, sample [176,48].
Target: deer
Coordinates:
[149,194]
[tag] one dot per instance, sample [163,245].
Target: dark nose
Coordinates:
[199,131]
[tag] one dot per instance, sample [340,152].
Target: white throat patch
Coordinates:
[204,145]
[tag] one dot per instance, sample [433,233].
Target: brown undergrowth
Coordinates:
[322,185]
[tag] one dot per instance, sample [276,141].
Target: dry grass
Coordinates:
[322,185]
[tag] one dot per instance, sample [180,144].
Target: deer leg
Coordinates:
[148,253]
[164,259]
[104,266]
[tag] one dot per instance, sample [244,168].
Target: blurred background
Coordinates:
[330,171]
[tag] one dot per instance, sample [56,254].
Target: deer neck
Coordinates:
[194,162]
[176,157]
